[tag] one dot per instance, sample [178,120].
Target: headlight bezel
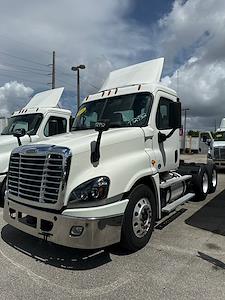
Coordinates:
[90,192]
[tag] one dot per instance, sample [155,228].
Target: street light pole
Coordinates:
[77,69]
[78,88]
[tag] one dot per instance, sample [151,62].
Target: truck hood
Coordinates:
[79,141]
[219,144]
[7,143]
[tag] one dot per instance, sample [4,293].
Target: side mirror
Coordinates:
[175,115]
[71,122]
[204,139]
[18,133]
[100,126]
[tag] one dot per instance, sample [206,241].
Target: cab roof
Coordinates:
[41,110]
[136,88]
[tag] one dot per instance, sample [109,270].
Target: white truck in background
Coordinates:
[115,174]
[3,123]
[216,153]
[197,143]
[40,119]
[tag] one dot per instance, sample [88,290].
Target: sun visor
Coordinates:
[49,98]
[146,72]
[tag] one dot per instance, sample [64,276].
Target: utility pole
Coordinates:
[185,123]
[52,74]
[53,70]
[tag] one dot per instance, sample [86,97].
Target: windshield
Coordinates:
[122,111]
[220,136]
[29,122]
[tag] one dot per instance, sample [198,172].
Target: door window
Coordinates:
[55,125]
[163,114]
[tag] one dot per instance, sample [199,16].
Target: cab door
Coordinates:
[166,138]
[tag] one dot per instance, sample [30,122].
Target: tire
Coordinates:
[213,178]
[2,194]
[200,184]
[139,218]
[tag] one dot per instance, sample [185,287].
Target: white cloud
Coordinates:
[193,33]
[13,95]
[95,33]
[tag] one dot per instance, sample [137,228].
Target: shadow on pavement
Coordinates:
[56,255]
[216,263]
[210,217]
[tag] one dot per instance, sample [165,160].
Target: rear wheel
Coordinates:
[139,218]
[213,177]
[200,183]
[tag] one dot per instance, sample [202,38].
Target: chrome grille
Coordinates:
[219,153]
[37,178]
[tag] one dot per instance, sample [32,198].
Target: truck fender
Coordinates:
[152,182]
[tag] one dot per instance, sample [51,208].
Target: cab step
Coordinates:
[171,206]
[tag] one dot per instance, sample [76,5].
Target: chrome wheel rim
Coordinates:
[205,183]
[214,178]
[142,217]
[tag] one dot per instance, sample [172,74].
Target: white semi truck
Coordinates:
[114,175]
[216,153]
[3,123]
[40,119]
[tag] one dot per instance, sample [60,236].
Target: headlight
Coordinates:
[91,190]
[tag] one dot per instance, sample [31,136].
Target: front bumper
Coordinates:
[220,164]
[56,228]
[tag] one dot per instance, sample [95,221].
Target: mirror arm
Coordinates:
[95,149]
[29,134]
[163,137]
[171,133]
[19,141]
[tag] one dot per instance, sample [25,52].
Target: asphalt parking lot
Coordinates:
[185,259]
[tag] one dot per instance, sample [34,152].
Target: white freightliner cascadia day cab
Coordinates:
[37,121]
[114,175]
[216,152]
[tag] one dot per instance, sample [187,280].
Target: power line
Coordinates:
[85,80]
[23,67]
[23,71]
[23,43]
[19,79]
[21,58]
[64,82]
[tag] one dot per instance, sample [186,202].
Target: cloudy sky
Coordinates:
[105,35]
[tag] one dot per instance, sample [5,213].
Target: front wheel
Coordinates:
[139,218]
